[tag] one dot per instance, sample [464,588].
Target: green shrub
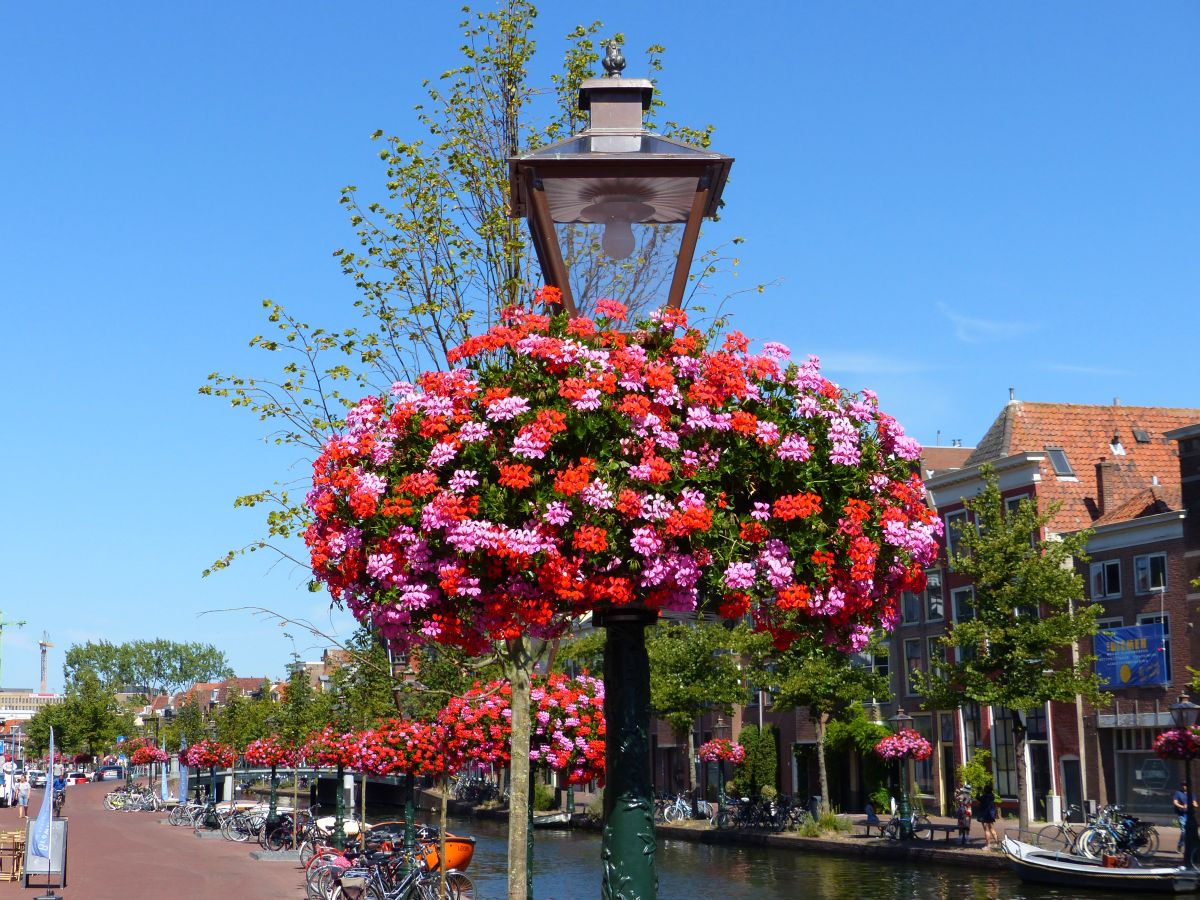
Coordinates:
[768,792]
[977,772]
[731,787]
[595,809]
[543,797]
[882,799]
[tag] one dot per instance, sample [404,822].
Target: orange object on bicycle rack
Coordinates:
[459,851]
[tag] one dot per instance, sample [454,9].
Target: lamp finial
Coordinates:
[614,60]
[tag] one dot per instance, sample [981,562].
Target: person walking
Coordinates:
[1179,801]
[987,817]
[23,797]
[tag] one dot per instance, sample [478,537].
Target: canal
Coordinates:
[567,867]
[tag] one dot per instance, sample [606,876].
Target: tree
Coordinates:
[694,668]
[299,711]
[812,675]
[155,667]
[187,725]
[89,718]
[362,690]
[1028,612]
[760,768]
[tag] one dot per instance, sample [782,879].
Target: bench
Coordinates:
[948,831]
[869,823]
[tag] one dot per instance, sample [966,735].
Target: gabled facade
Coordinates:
[1116,470]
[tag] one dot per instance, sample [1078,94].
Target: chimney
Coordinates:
[1012,394]
[1116,401]
[1105,484]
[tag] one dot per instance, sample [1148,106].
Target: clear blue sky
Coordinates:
[953,198]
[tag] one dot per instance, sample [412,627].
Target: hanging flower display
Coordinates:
[904,744]
[571,466]
[1178,743]
[145,755]
[395,747]
[721,750]
[330,748]
[478,726]
[568,726]
[207,753]
[269,751]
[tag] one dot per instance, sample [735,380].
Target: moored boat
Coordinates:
[1054,867]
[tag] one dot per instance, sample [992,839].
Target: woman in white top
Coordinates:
[23,796]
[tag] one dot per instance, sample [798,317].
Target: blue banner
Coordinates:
[1131,656]
[41,827]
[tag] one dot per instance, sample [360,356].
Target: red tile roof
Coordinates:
[1086,434]
[935,460]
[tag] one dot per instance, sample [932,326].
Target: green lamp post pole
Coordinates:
[1185,714]
[721,729]
[339,810]
[273,812]
[899,722]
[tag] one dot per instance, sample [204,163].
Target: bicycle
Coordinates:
[919,824]
[388,880]
[1113,834]
[1061,837]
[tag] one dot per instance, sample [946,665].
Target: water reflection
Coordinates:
[567,867]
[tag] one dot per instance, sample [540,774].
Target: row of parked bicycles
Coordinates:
[780,813]
[476,789]
[134,798]
[1111,832]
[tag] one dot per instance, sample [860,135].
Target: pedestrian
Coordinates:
[987,817]
[1179,802]
[23,797]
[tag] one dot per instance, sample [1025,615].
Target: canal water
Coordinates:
[567,867]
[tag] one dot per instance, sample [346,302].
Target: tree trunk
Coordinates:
[690,780]
[822,721]
[1018,731]
[519,666]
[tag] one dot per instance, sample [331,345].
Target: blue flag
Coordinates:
[41,825]
[164,767]
[183,771]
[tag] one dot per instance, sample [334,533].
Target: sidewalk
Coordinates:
[133,856]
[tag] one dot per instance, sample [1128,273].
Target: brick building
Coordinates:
[1119,471]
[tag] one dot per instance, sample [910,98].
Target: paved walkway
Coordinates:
[132,856]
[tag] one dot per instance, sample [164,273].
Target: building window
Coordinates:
[963,611]
[955,523]
[1150,573]
[871,662]
[910,608]
[1058,459]
[972,715]
[1103,625]
[934,602]
[1165,622]
[1004,753]
[1106,579]
[937,654]
[912,663]
[923,768]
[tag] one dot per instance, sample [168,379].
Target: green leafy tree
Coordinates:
[363,690]
[299,713]
[694,669]
[760,768]
[1014,651]
[855,734]
[433,675]
[88,719]
[188,724]
[37,730]
[824,681]
[243,719]
[155,667]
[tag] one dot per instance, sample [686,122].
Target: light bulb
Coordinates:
[618,239]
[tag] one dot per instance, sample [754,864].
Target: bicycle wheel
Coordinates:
[1052,837]
[371,893]
[921,828]
[891,830]
[1144,841]
[1095,843]
[671,814]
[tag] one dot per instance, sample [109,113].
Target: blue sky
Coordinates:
[951,199]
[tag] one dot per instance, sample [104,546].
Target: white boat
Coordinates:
[1057,867]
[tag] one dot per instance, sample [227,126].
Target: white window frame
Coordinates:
[1101,569]
[1155,618]
[931,576]
[936,652]
[954,594]
[916,600]
[1149,586]
[909,689]
[953,534]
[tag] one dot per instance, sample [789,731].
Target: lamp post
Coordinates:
[605,202]
[900,721]
[721,729]
[1185,714]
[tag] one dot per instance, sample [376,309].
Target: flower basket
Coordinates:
[568,727]
[904,744]
[143,756]
[269,751]
[722,750]
[1178,743]
[206,753]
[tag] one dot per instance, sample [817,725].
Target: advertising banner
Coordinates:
[1126,657]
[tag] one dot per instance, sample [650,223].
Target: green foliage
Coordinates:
[855,733]
[595,809]
[761,765]
[822,679]
[543,797]
[88,719]
[581,653]
[188,725]
[437,673]
[1028,611]
[299,713]
[694,669]
[881,798]
[362,691]
[155,667]
[977,772]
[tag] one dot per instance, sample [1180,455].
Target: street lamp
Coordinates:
[1185,714]
[900,721]
[721,729]
[607,204]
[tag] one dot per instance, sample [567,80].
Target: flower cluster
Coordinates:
[904,744]
[269,751]
[396,747]
[147,754]
[477,726]
[568,726]
[1178,743]
[721,750]
[331,748]
[569,466]
[209,753]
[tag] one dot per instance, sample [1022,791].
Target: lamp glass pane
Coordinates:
[659,200]
[640,280]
